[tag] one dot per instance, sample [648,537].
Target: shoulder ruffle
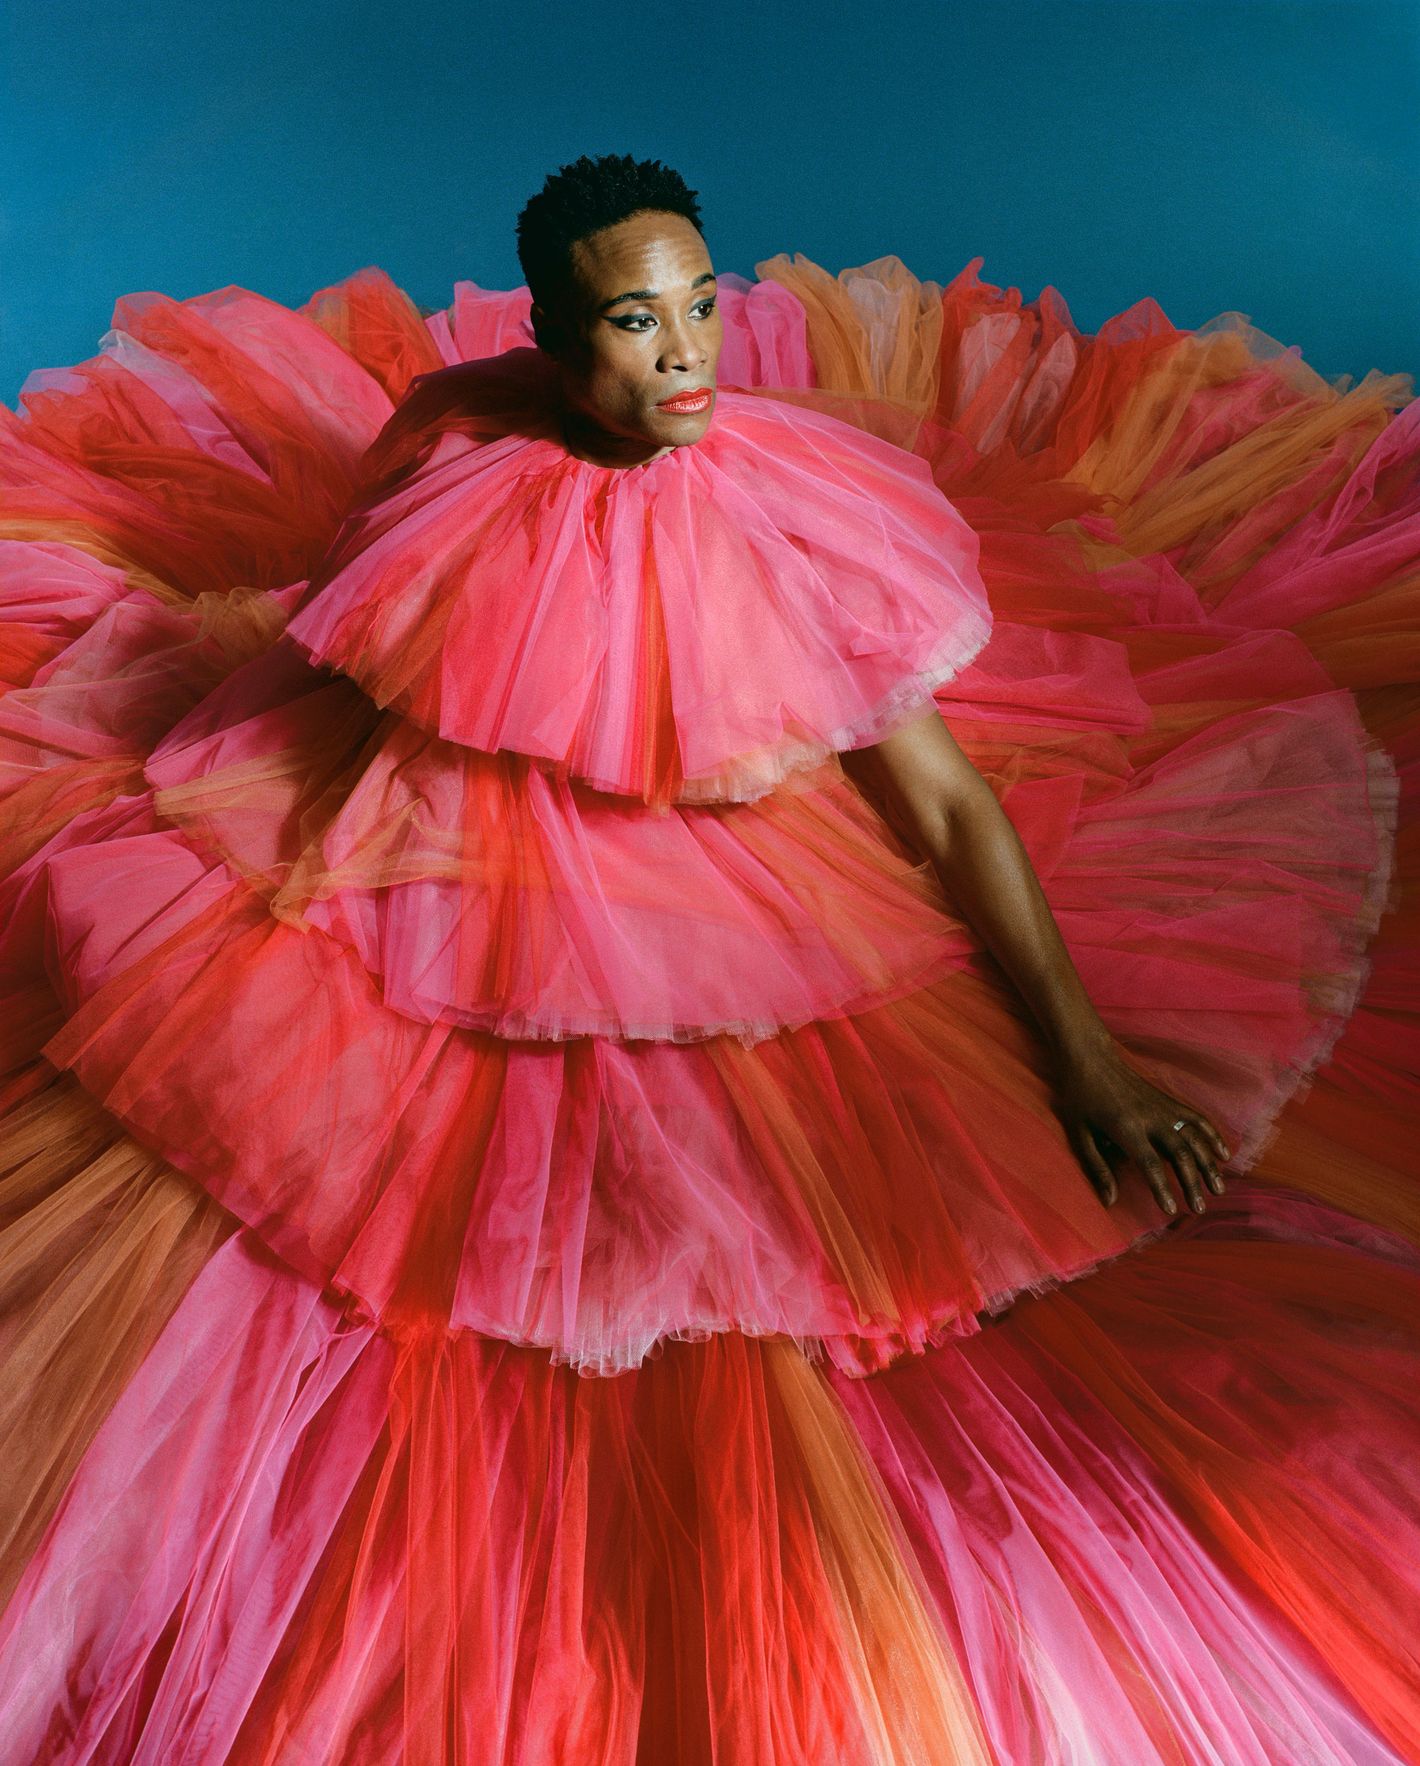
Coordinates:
[691,629]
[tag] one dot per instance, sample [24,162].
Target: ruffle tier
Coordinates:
[483,891]
[861,1182]
[690,629]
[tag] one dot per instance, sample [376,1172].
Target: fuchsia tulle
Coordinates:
[695,627]
[532,1230]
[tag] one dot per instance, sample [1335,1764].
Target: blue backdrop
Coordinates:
[1261,156]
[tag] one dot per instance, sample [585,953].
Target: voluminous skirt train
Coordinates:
[532,1232]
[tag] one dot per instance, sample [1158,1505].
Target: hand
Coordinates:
[1108,1108]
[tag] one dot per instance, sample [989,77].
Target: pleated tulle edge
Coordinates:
[953,956]
[853,1356]
[1381,896]
[750,775]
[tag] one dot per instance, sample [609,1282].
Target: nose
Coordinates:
[682,348]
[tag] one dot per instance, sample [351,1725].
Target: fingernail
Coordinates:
[1198,1206]
[1171,1205]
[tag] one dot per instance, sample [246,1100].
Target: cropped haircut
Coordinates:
[582,198]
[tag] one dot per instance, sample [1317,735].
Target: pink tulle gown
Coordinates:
[534,1235]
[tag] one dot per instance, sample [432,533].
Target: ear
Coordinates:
[549,331]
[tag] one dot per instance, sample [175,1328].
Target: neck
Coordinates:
[587,440]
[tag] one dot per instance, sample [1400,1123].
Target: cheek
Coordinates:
[620,375]
[714,337]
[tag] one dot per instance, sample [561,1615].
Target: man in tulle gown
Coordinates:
[708,1027]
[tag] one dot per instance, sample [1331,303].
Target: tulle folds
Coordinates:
[691,629]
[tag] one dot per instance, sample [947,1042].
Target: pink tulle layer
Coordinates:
[483,890]
[695,627]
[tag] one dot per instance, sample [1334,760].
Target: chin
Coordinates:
[690,428]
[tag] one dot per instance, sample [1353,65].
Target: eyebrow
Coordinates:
[649,293]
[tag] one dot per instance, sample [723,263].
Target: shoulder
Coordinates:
[483,400]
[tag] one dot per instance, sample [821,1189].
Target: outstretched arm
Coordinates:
[936,798]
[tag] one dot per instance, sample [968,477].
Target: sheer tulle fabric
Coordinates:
[49,594]
[97,1243]
[485,891]
[1076,1457]
[314,1463]
[773,1187]
[1217,865]
[1058,1535]
[692,628]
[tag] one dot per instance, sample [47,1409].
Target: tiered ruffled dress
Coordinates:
[533,1232]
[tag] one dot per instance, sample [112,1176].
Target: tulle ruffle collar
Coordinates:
[693,628]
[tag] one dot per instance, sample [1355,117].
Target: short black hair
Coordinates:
[582,198]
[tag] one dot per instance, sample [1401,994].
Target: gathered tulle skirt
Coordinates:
[1161,1513]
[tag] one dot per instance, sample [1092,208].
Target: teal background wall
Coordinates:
[1260,156]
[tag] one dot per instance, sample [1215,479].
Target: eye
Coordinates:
[632,322]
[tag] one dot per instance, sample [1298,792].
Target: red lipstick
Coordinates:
[687,403]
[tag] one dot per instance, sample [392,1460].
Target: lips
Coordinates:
[687,401]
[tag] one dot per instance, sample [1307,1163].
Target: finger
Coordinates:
[1189,1134]
[1203,1157]
[1112,1151]
[1096,1167]
[1196,1119]
[1225,1152]
[1141,1151]
[1180,1155]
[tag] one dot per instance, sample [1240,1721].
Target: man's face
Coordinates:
[640,324]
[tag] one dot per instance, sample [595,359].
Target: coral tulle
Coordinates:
[530,1230]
